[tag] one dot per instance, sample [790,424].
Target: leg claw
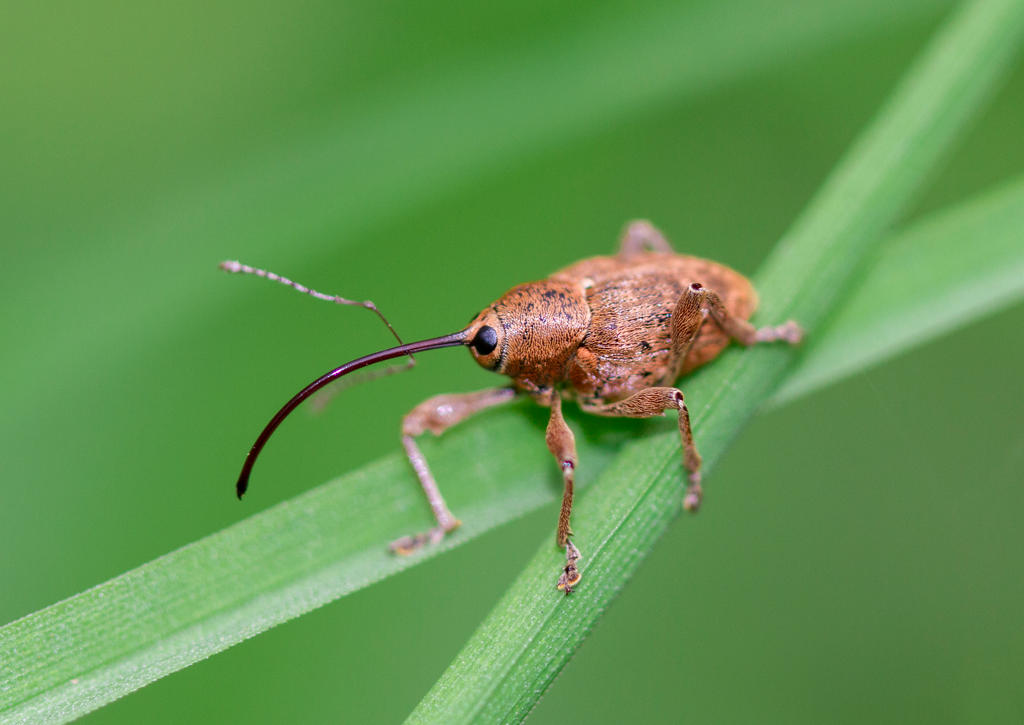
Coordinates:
[410,544]
[788,331]
[694,494]
[570,574]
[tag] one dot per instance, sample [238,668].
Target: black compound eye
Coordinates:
[485,341]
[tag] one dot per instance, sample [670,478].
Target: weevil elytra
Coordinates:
[611,333]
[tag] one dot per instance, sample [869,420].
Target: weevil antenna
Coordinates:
[238,268]
[456,338]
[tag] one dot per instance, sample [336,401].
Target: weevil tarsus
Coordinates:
[570,575]
[612,333]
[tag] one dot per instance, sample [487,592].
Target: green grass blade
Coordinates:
[516,653]
[944,272]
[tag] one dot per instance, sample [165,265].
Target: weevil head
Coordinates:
[531,332]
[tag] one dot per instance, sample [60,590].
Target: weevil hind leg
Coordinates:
[562,444]
[438,414]
[745,333]
[642,236]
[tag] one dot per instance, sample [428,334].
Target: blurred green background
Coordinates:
[861,554]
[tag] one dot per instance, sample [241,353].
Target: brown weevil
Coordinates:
[612,333]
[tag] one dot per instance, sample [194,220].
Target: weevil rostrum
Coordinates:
[611,333]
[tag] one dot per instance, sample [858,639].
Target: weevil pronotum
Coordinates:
[611,333]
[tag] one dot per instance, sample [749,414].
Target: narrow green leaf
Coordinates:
[938,276]
[514,656]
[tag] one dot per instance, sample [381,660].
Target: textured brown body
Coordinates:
[628,345]
[601,329]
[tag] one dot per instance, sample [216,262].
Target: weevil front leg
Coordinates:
[562,444]
[438,414]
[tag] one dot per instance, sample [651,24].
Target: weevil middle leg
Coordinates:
[438,414]
[651,402]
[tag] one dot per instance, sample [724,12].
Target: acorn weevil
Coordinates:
[612,333]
